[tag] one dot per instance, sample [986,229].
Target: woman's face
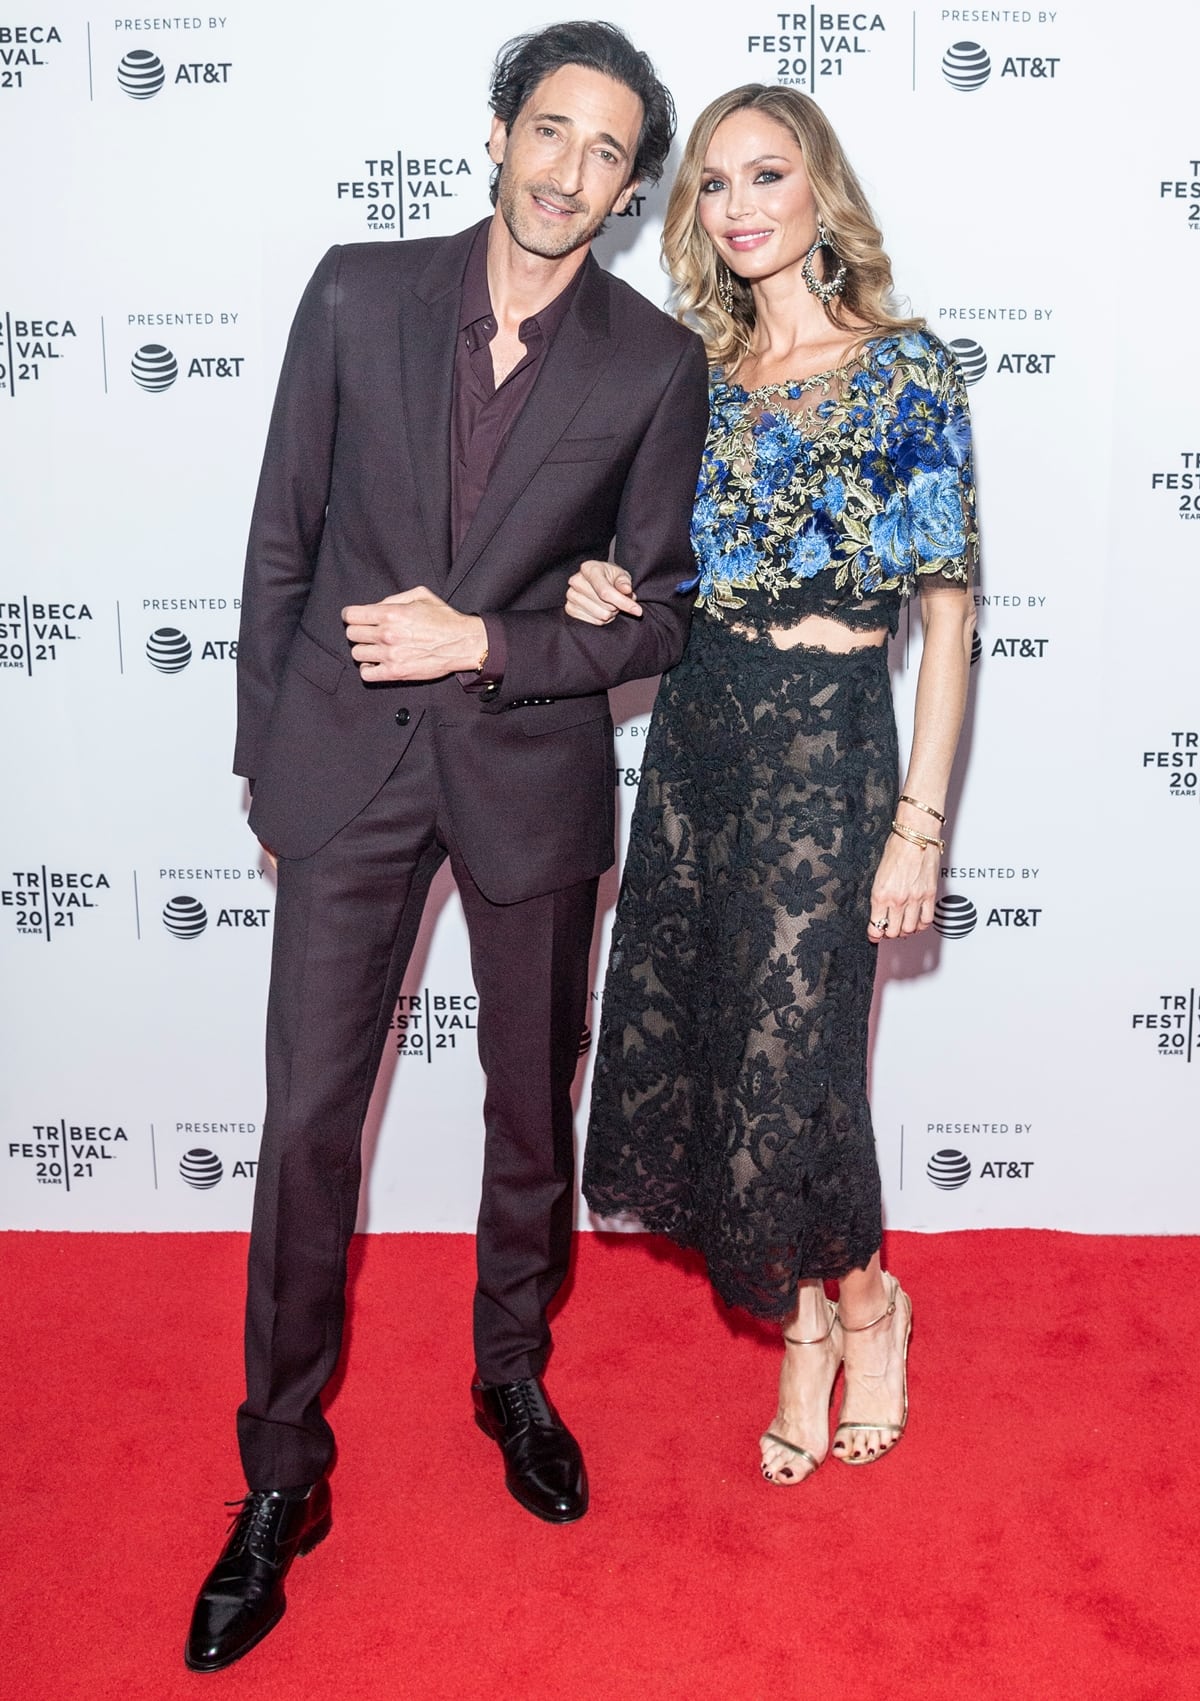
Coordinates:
[756,203]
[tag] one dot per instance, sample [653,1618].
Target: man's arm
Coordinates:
[546,654]
[289,510]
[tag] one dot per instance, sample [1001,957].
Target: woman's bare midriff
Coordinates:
[818,632]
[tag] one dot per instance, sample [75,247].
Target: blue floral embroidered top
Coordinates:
[839,494]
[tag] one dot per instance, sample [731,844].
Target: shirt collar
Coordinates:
[476,301]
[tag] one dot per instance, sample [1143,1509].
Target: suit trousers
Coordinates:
[346,919]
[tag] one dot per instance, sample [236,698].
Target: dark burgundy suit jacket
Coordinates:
[354,504]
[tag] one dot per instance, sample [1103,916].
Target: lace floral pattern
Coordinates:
[729,1105]
[838,494]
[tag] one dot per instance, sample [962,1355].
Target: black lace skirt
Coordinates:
[729,1103]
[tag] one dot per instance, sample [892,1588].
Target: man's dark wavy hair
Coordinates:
[527,60]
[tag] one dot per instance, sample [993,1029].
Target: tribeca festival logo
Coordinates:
[52,903]
[1171,1025]
[1186,190]
[24,50]
[143,73]
[403,192]
[36,633]
[31,345]
[1181,485]
[1176,761]
[69,1154]
[428,1022]
[809,48]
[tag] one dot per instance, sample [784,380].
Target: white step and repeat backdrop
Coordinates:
[170,181]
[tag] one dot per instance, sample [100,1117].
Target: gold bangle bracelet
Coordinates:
[922,839]
[923,807]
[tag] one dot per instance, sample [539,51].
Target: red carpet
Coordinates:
[1033,1536]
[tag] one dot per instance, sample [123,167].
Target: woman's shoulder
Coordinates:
[913,353]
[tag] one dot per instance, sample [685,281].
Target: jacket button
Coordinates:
[402,717]
[490,692]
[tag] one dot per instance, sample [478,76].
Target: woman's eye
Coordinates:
[768,177]
[711,185]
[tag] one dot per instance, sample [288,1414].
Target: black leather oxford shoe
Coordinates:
[242,1597]
[543,1466]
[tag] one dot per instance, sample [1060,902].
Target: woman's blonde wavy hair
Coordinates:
[865,306]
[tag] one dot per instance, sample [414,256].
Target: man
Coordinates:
[460,423]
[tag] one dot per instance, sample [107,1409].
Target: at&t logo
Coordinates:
[949,1169]
[201,1168]
[168,650]
[966,66]
[954,916]
[185,917]
[973,361]
[142,74]
[154,367]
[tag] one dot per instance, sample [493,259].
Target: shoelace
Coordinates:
[251,1517]
[526,1404]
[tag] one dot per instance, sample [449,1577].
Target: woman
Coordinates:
[770,852]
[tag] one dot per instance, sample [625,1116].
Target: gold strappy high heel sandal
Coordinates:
[896,1429]
[769,1435]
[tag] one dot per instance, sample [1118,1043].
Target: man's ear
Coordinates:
[626,195]
[497,140]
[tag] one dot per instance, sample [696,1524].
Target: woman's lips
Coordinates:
[743,240]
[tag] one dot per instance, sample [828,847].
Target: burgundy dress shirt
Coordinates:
[482,416]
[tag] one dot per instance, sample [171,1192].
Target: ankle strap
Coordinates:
[857,1328]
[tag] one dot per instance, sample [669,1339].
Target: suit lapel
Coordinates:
[428,335]
[574,361]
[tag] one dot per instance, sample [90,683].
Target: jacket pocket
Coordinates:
[556,716]
[312,661]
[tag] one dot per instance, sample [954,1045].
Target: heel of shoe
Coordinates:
[316,1535]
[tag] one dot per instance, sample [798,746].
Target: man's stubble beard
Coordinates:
[534,239]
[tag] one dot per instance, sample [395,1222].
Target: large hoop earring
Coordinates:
[825,292]
[725,286]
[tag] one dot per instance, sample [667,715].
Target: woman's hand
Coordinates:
[905,887]
[599,591]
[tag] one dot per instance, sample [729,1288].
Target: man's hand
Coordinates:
[413,635]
